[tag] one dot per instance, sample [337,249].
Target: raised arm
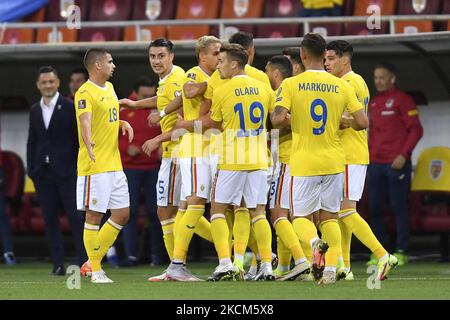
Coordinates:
[140,104]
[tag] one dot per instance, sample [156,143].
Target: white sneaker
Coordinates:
[222,273]
[328,277]
[100,277]
[301,268]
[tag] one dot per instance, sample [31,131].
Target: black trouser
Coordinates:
[52,192]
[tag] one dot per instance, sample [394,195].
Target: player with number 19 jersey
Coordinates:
[316,101]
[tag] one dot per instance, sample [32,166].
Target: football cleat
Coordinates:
[350,276]
[341,273]
[86,270]
[159,278]
[301,268]
[265,273]
[384,265]
[223,273]
[278,274]
[181,274]
[401,257]
[319,249]
[239,271]
[100,277]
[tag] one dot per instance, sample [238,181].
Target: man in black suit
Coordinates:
[52,150]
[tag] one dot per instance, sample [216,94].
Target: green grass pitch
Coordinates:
[417,280]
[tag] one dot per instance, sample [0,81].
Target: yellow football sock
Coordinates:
[331,234]
[287,234]
[362,231]
[346,238]
[284,255]
[167,229]
[253,246]
[229,216]
[241,231]
[178,217]
[305,230]
[203,229]
[107,235]
[92,245]
[185,231]
[220,232]
[263,236]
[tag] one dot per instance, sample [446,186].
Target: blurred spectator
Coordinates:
[142,175]
[5,226]
[293,53]
[320,8]
[52,150]
[77,78]
[394,131]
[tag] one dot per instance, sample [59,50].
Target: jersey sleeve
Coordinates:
[283,96]
[353,104]
[175,89]
[83,102]
[272,97]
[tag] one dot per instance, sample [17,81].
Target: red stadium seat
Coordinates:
[17,36]
[64,35]
[277,8]
[100,34]
[147,33]
[254,10]
[167,10]
[406,8]
[197,9]
[14,170]
[387,7]
[54,10]
[327,29]
[187,32]
[110,10]
[413,26]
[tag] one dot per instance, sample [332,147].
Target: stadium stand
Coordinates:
[227,11]
[406,8]
[196,9]
[280,9]
[54,10]
[16,36]
[387,7]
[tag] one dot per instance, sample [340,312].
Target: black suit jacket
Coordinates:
[59,141]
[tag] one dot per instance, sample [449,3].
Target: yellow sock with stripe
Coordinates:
[306,231]
[185,231]
[263,236]
[203,229]
[229,216]
[167,229]
[362,231]
[346,238]
[92,245]
[241,232]
[178,217]
[287,234]
[220,232]
[284,256]
[331,234]
[107,235]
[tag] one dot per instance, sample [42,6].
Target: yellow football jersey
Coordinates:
[193,144]
[316,101]
[103,104]
[257,74]
[170,87]
[242,105]
[355,142]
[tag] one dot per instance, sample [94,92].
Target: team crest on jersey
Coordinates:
[193,76]
[81,104]
[94,201]
[177,93]
[436,167]
[389,103]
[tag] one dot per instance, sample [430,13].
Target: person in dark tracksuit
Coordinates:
[394,131]
[52,150]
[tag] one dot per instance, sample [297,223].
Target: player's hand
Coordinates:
[149,146]
[133,150]
[153,119]
[126,128]
[345,122]
[399,162]
[127,103]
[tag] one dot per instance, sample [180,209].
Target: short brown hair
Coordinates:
[236,52]
[94,54]
[314,43]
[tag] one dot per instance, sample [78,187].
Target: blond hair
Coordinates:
[202,44]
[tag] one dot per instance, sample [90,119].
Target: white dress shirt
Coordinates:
[47,111]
